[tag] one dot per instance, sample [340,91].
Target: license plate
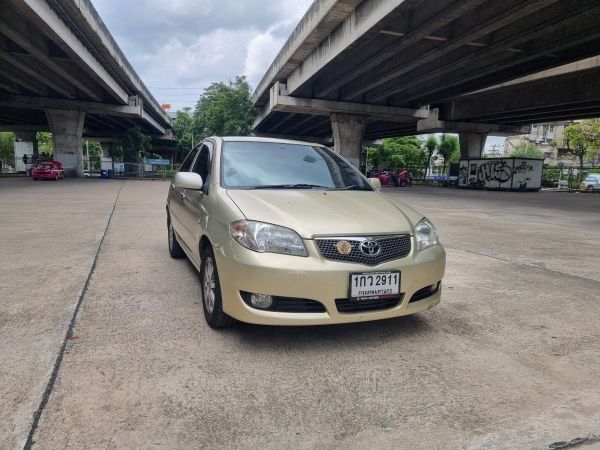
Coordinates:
[374,285]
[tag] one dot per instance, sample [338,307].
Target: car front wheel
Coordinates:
[175,249]
[212,302]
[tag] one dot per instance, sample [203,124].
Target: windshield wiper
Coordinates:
[290,186]
[356,187]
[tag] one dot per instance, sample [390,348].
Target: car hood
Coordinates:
[315,212]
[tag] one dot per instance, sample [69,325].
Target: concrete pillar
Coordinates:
[471,145]
[348,131]
[66,126]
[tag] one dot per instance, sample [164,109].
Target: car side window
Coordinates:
[186,166]
[202,166]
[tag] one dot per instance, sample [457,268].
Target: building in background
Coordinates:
[550,139]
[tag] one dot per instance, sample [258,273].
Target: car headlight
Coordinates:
[266,238]
[426,234]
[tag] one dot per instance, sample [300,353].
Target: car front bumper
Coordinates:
[45,176]
[315,278]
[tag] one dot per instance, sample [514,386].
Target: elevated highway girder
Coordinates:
[59,55]
[441,56]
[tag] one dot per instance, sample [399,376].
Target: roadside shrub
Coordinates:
[550,177]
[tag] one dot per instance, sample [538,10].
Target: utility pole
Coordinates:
[87,155]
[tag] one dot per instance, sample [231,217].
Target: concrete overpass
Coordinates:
[357,70]
[62,71]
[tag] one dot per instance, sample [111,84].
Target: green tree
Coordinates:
[115,151]
[430,147]
[583,139]
[449,149]
[371,157]
[183,129]
[396,153]
[135,145]
[95,150]
[225,109]
[44,142]
[526,149]
[403,152]
[7,148]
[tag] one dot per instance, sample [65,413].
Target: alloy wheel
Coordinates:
[208,285]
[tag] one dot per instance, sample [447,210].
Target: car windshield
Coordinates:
[278,165]
[45,166]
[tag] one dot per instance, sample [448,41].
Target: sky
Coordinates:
[180,47]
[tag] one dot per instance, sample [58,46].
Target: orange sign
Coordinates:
[166,106]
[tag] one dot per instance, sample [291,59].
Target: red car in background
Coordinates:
[388,178]
[48,170]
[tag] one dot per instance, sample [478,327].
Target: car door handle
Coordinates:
[182,195]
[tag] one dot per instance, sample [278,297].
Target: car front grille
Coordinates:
[290,304]
[389,248]
[348,305]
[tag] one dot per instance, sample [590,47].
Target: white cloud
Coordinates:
[192,43]
[260,52]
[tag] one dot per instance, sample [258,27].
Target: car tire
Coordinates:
[589,188]
[35,179]
[212,302]
[175,249]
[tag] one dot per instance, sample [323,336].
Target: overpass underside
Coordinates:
[61,71]
[453,58]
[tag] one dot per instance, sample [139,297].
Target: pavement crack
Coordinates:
[57,364]
[588,440]
[520,262]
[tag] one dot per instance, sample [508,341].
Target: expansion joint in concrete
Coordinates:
[59,358]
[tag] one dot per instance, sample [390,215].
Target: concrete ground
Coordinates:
[509,359]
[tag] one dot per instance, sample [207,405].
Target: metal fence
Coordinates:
[565,177]
[134,171]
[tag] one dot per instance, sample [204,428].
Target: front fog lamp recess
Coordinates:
[261,301]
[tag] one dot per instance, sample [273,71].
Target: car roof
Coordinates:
[263,139]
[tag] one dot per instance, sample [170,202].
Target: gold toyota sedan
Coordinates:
[290,233]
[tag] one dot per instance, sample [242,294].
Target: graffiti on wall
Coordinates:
[496,173]
[524,167]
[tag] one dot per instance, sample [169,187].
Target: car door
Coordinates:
[194,212]
[176,197]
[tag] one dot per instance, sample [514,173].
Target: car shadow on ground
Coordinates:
[351,335]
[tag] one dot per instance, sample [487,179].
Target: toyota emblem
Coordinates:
[370,247]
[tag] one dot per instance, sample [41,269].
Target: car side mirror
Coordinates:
[188,180]
[376,183]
